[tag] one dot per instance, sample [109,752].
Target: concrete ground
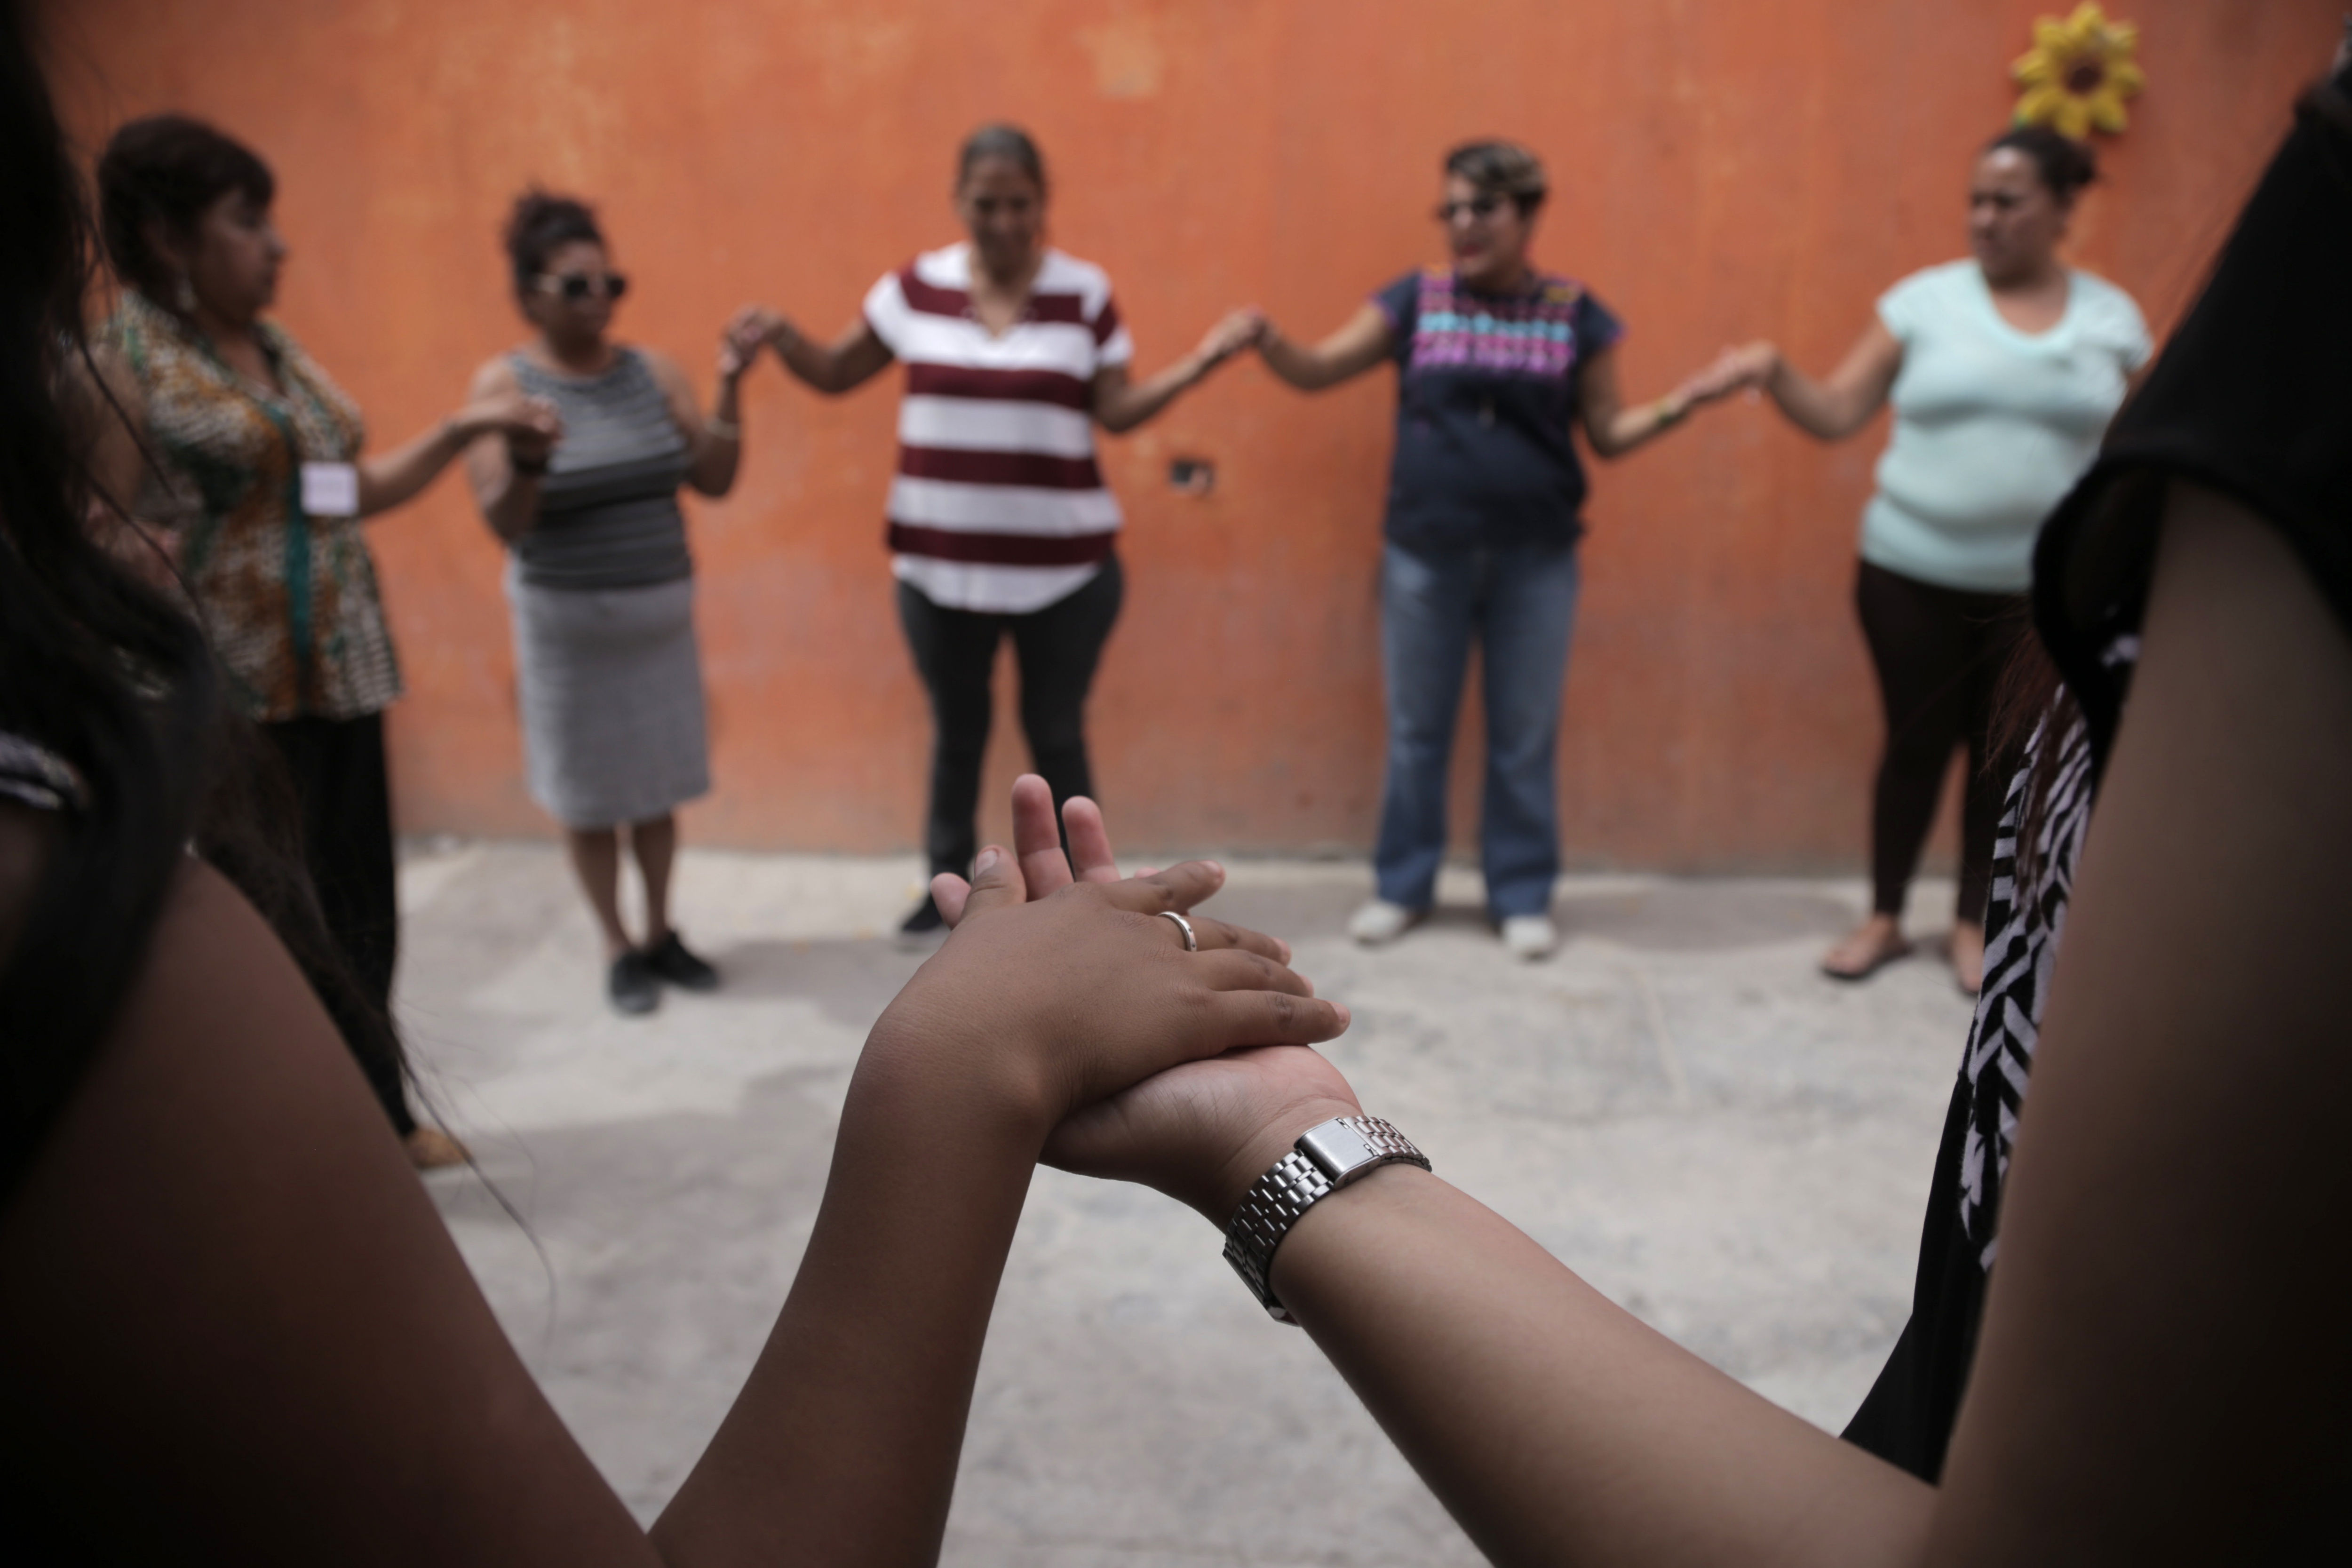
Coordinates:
[1676,1106]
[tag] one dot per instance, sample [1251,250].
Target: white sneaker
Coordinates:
[1380,921]
[1530,936]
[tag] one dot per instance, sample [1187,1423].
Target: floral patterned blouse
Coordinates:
[290,600]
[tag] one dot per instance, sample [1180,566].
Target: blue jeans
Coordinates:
[1519,601]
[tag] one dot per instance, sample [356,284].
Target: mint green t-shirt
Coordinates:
[1992,426]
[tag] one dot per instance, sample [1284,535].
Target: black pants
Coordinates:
[345,798]
[955,651]
[1939,653]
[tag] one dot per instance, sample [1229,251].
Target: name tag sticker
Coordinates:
[330,489]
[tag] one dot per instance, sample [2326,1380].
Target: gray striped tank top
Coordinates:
[608,513]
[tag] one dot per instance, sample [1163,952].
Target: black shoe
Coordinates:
[925,921]
[673,962]
[630,984]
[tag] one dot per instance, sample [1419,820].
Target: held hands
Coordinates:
[1727,373]
[1747,367]
[740,341]
[1208,1125]
[530,424]
[517,416]
[1240,330]
[754,327]
[1047,1000]
[1204,1132]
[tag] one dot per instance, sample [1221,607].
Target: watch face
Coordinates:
[1336,1147]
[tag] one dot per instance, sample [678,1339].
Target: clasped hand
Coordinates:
[532,425]
[1188,1072]
[1747,367]
[740,341]
[1237,331]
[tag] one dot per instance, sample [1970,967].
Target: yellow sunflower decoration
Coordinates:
[2075,77]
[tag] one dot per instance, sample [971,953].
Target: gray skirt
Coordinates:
[613,725]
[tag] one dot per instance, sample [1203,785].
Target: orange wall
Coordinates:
[1722,169]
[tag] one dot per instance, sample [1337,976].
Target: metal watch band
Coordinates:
[1326,1157]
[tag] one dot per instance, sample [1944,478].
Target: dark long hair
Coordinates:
[75,634]
[109,675]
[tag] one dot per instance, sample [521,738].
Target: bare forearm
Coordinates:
[1308,369]
[513,509]
[1131,405]
[1627,428]
[1363,341]
[843,1445]
[820,366]
[387,481]
[721,450]
[1826,409]
[1555,1427]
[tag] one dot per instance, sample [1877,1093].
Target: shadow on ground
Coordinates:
[1695,916]
[843,975]
[1652,916]
[1676,1106]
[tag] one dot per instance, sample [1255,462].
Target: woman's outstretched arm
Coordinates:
[1554,1425]
[1614,429]
[850,361]
[1837,408]
[1122,405]
[1363,341]
[389,478]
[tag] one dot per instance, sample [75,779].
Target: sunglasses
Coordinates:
[1479,207]
[577,286]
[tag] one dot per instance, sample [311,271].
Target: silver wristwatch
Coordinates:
[1326,1157]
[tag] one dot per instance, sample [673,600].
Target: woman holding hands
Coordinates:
[2003,371]
[999,519]
[1495,361]
[600,581]
[250,459]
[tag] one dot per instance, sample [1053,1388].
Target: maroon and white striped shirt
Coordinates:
[998,505]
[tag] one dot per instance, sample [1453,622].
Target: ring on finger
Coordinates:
[1192,941]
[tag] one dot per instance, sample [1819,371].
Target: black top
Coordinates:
[1486,391]
[2253,396]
